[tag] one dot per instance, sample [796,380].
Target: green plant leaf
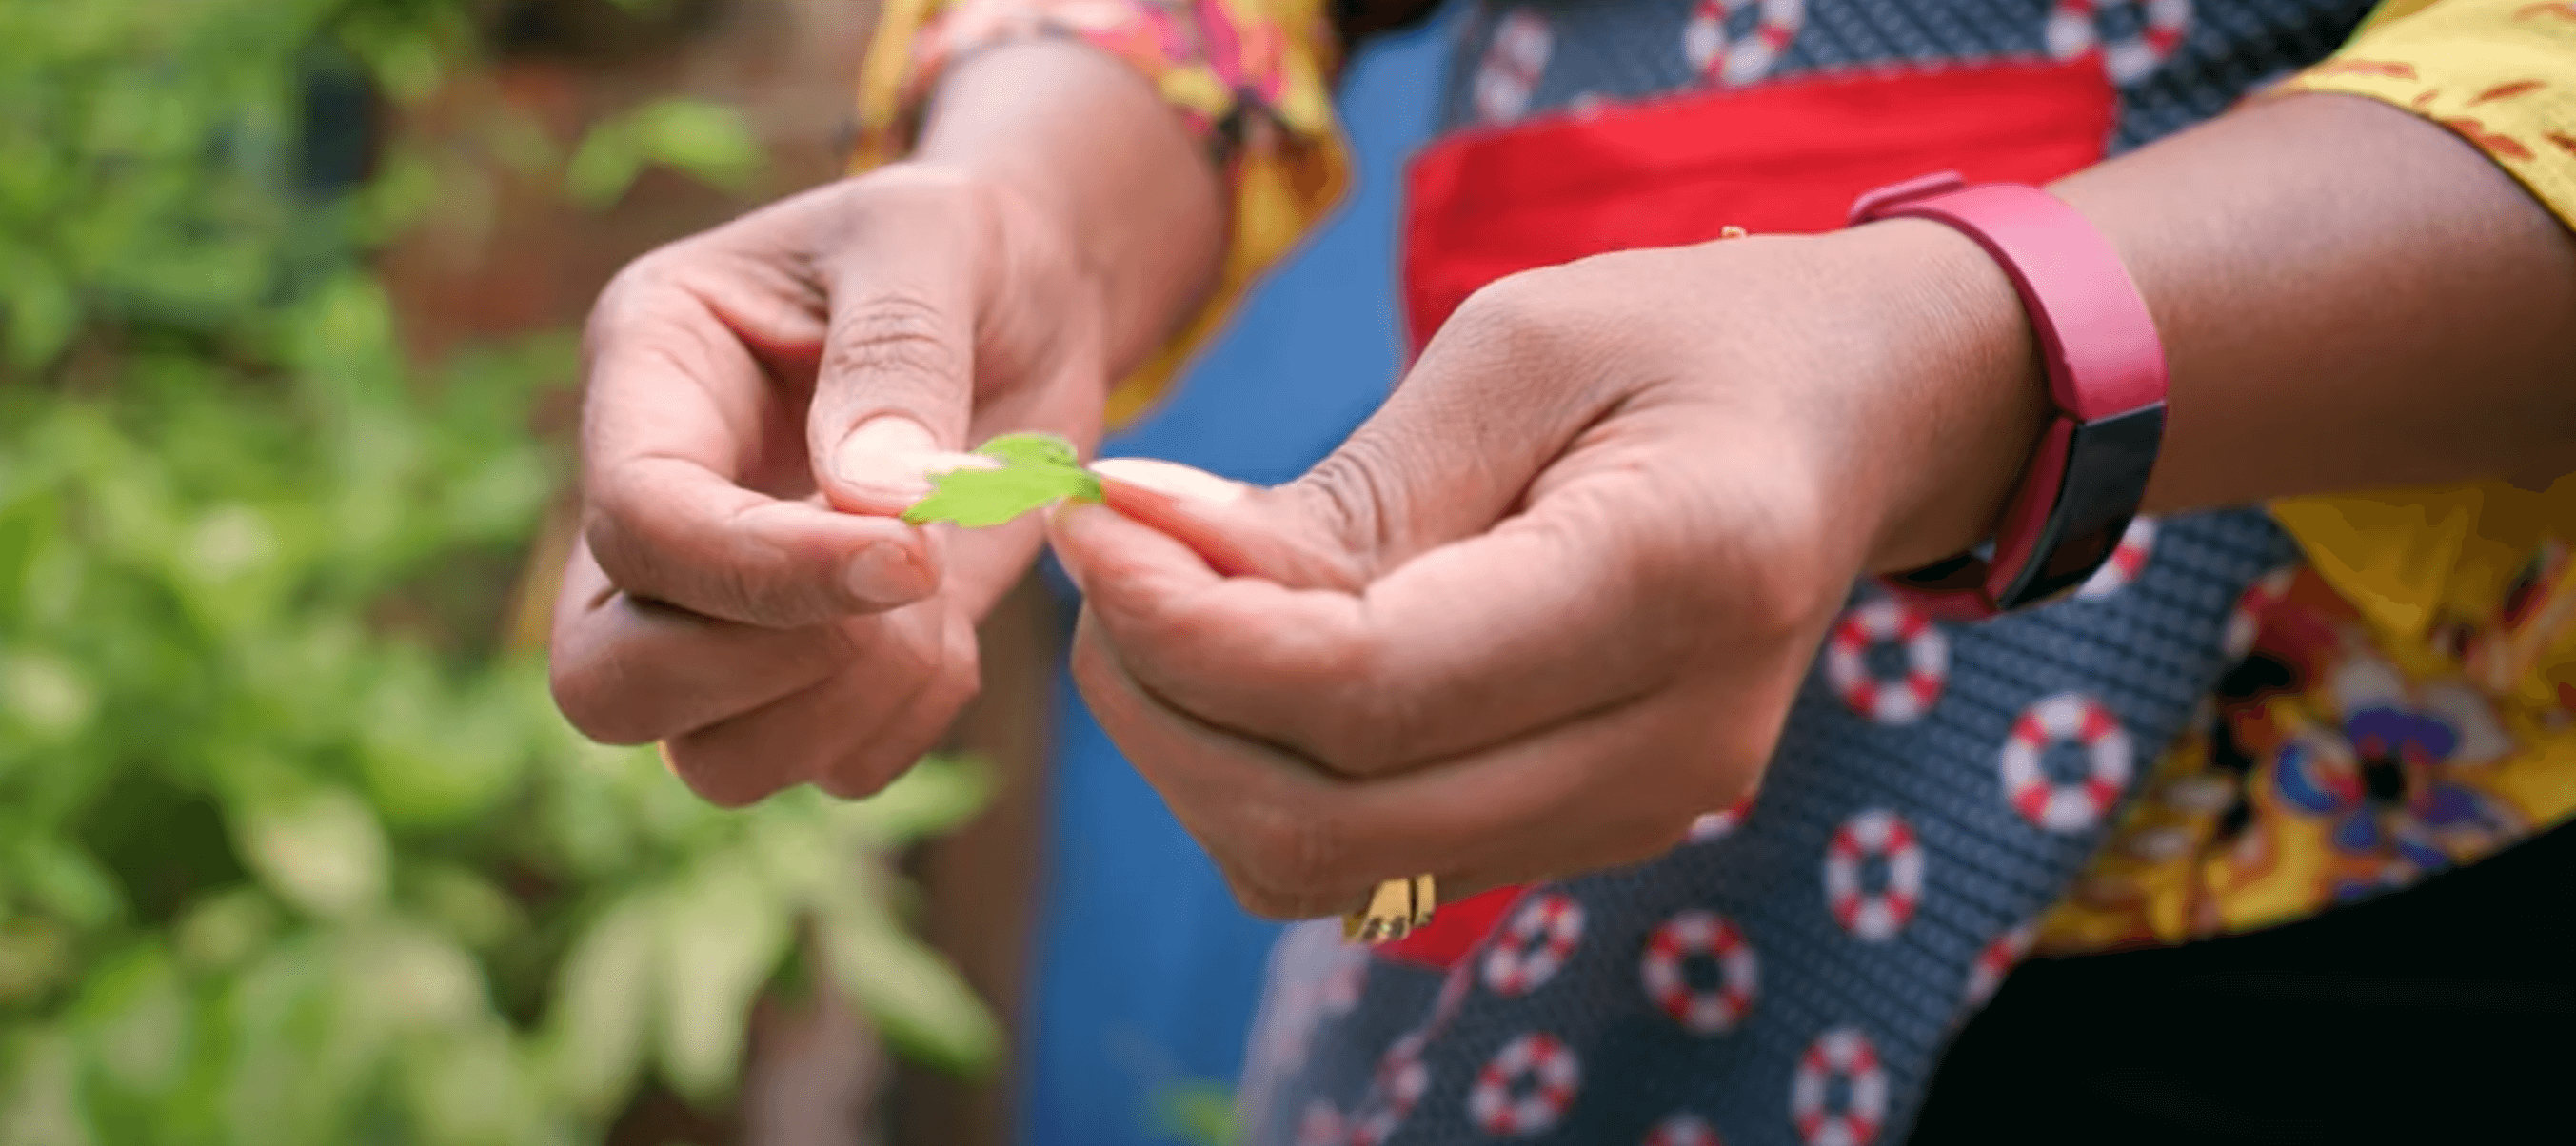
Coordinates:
[723,932]
[1036,470]
[602,1006]
[914,997]
[42,1103]
[134,1016]
[321,850]
[1198,1112]
[935,794]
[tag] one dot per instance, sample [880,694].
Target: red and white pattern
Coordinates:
[1728,64]
[2128,559]
[1683,1130]
[1997,960]
[1874,916]
[1540,937]
[1846,1052]
[1546,1065]
[2077,805]
[1927,661]
[1453,992]
[1320,1126]
[1513,64]
[1701,934]
[1401,1079]
[2073,29]
[1716,825]
[2246,622]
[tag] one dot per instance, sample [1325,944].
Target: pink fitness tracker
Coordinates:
[2106,377]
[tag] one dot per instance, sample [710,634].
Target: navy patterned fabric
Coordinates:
[1790,980]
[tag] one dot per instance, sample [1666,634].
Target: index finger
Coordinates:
[1574,607]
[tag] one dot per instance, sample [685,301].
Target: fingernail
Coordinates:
[885,456]
[885,574]
[1173,478]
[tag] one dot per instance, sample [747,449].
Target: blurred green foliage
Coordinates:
[292,849]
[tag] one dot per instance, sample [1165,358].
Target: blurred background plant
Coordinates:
[293,845]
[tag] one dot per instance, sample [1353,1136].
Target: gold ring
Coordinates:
[1393,911]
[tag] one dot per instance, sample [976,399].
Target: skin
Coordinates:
[764,397]
[1499,647]
[1552,601]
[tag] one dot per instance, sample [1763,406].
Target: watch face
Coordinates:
[2107,464]
[2067,567]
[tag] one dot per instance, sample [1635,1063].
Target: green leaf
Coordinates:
[1198,1112]
[1030,449]
[321,850]
[708,140]
[914,997]
[936,794]
[469,1089]
[46,694]
[1036,470]
[134,1016]
[69,882]
[602,1003]
[42,1104]
[225,929]
[723,932]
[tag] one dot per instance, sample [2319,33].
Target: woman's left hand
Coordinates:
[1553,602]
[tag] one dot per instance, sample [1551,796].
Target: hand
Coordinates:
[763,398]
[1554,601]
[766,397]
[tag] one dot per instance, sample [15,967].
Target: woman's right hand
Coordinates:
[765,398]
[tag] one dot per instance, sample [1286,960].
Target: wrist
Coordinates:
[1081,149]
[1962,410]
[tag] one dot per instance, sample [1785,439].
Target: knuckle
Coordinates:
[897,333]
[1352,492]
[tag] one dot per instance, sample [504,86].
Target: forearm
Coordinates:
[2350,297]
[1086,141]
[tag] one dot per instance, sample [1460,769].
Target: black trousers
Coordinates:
[2444,1013]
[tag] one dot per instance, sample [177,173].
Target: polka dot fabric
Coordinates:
[1787,976]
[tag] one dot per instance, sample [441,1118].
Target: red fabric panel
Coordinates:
[1781,157]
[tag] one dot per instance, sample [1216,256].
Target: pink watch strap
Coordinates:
[2106,377]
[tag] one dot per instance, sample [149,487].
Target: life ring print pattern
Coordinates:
[1843,1053]
[1874,915]
[1526,1088]
[1995,961]
[2074,28]
[2070,805]
[2128,559]
[1320,1126]
[1683,1129]
[1536,943]
[1514,61]
[1401,1079]
[1728,61]
[1898,700]
[1695,934]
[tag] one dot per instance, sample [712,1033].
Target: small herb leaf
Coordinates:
[1036,469]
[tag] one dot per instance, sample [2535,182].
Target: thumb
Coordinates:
[1505,390]
[895,389]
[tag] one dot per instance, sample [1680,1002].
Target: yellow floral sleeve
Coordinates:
[2407,701]
[1250,77]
